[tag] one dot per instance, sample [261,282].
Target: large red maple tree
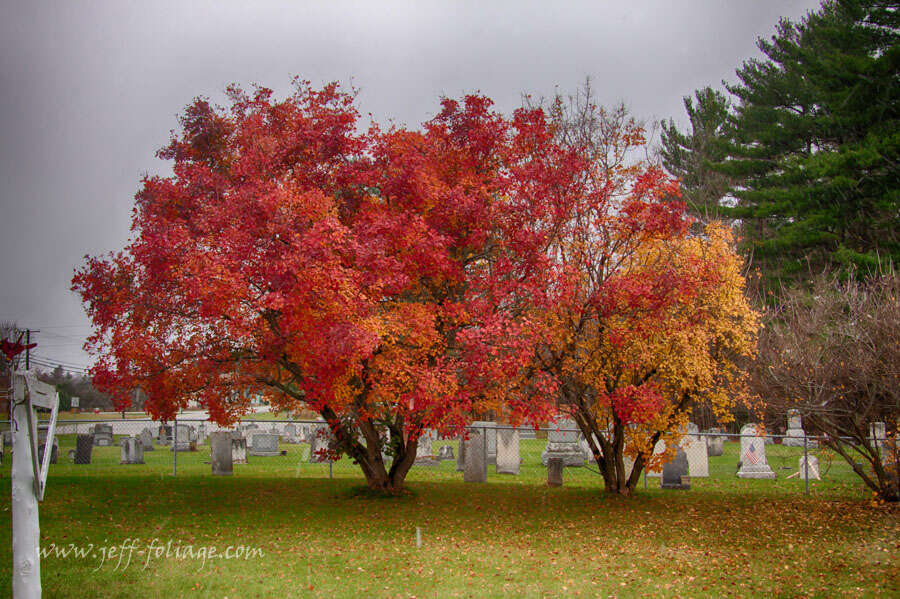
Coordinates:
[390,280]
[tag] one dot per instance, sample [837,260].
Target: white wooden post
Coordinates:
[28,481]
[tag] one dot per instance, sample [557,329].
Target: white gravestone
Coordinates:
[319,439]
[794,435]
[238,450]
[753,454]
[425,448]
[810,468]
[290,434]
[508,457]
[878,437]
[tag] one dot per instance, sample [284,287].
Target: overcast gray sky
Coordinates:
[90,90]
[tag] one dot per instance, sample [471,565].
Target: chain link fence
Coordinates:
[291,447]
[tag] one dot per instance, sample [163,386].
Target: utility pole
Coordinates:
[28,333]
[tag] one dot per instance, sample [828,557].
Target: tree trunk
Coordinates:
[369,457]
[389,481]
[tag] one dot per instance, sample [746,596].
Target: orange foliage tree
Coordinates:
[391,281]
[647,319]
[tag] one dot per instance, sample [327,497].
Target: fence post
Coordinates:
[805,464]
[175,446]
[484,444]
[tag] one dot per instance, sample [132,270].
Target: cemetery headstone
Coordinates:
[808,467]
[878,436]
[264,445]
[794,435]
[182,439]
[697,455]
[103,435]
[555,471]
[202,434]
[490,429]
[753,454]
[527,432]
[132,451]
[290,434]
[715,443]
[147,440]
[445,453]
[303,433]
[693,431]
[461,455]
[695,449]
[220,453]
[476,456]
[238,450]
[675,474]
[508,457]
[562,442]
[164,434]
[425,449]
[84,445]
[54,451]
[320,437]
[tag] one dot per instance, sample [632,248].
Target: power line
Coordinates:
[50,363]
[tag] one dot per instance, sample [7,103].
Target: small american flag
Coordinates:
[750,455]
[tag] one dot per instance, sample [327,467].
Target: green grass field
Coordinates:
[513,536]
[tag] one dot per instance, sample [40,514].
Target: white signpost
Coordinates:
[29,479]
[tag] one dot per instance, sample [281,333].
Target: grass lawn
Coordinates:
[510,537]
